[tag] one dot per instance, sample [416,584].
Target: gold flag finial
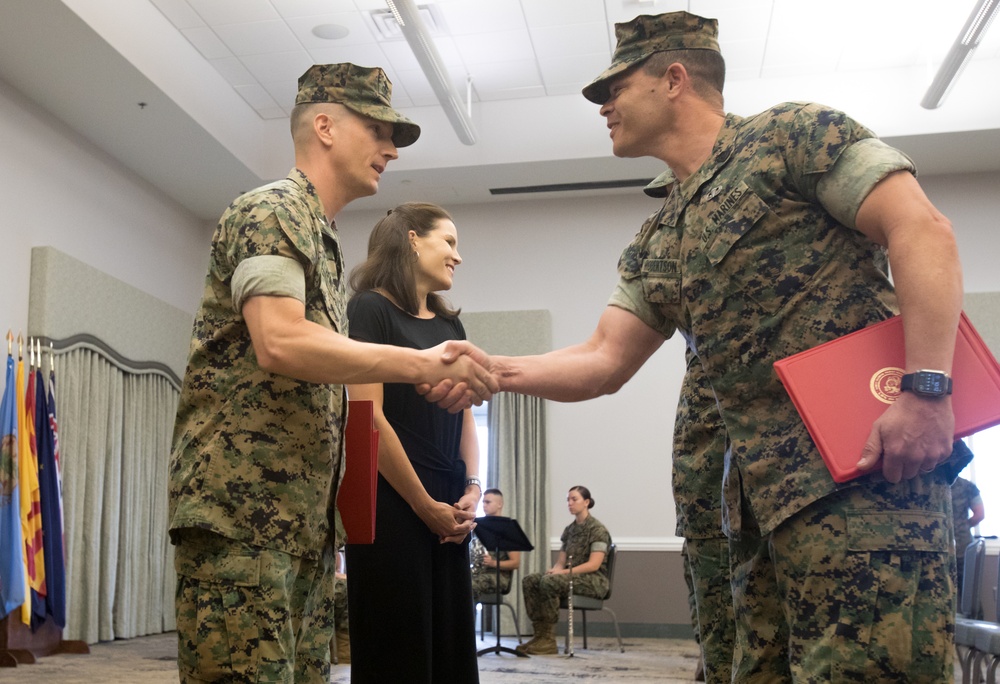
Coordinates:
[10,342]
[20,347]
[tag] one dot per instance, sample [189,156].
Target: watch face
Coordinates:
[934,384]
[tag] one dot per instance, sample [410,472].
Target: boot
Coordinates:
[343,641]
[542,643]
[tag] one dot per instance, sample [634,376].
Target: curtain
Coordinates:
[115,428]
[518,466]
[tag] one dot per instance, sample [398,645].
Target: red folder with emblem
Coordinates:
[356,496]
[841,387]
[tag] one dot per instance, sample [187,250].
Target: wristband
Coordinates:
[474,481]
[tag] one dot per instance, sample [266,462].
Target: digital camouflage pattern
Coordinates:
[707,564]
[240,608]
[699,453]
[484,580]
[648,34]
[699,457]
[257,457]
[542,592]
[365,90]
[867,575]
[744,260]
[341,619]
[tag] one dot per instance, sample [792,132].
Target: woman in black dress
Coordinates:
[410,593]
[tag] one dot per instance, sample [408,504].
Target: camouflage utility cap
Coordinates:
[647,34]
[365,90]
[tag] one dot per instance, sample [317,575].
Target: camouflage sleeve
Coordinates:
[268,275]
[861,167]
[811,138]
[601,539]
[274,221]
[629,294]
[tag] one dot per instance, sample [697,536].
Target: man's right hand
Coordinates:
[464,376]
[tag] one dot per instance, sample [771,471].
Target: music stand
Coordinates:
[501,534]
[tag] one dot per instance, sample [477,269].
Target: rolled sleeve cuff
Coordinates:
[599,547]
[860,167]
[624,298]
[272,275]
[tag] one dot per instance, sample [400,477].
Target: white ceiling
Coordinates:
[217,79]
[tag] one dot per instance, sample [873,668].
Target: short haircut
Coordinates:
[706,68]
[493,490]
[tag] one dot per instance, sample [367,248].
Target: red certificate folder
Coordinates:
[841,387]
[356,498]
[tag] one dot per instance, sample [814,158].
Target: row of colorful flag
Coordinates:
[32,557]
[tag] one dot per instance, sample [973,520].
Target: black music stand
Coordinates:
[501,534]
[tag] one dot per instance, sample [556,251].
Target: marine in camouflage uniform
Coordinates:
[754,257]
[543,591]
[484,580]
[762,250]
[257,456]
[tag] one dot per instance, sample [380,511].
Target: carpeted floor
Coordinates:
[150,660]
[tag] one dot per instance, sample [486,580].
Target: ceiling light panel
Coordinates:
[561,12]
[216,12]
[466,18]
[258,37]
[278,66]
[505,76]
[558,42]
[357,27]
[179,13]
[233,70]
[256,96]
[577,71]
[400,54]
[207,42]
[499,46]
[312,8]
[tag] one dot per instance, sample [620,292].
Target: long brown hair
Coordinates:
[389,265]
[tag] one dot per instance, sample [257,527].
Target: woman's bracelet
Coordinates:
[474,481]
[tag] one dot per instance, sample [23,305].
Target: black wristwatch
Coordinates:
[927,383]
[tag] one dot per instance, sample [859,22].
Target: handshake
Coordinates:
[459,375]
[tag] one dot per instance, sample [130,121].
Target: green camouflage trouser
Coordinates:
[340,619]
[484,582]
[251,614]
[542,593]
[857,587]
[706,566]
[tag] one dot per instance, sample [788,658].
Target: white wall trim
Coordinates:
[636,543]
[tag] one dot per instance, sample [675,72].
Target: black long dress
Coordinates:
[409,596]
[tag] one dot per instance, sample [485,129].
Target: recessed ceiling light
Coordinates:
[330,31]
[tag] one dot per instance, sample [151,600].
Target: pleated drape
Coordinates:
[518,463]
[115,429]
